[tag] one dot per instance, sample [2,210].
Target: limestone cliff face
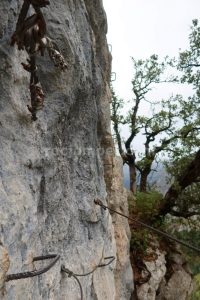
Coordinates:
[52,170]
[170,277]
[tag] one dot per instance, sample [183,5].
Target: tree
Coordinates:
[169,121]
[183,197]
[189,60]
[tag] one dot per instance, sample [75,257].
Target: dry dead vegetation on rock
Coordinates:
[30,35]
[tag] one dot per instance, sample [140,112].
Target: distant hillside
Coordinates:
[156,179]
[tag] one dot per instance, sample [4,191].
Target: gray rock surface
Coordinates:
[52,170]
[178,284]
[157,269]
[170,277]
[4,267]
[118,201]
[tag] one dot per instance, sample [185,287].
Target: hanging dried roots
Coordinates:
[30,35]
[37,99]
[40,3]
[55,55]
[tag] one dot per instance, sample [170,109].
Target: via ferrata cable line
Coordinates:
[157,231]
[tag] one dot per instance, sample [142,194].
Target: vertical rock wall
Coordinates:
[52,170]
[118,201]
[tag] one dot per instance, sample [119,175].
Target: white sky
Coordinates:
[139,28]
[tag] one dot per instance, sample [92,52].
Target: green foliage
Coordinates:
[191,236]
[143,205]
[139,241]
[146,72]
[178,161]
[196,293]
[189,60]
[189,199]
[148,204]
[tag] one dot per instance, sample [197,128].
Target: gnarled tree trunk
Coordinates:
[132,174]
[143,181]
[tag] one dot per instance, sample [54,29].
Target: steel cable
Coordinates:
[34,273]
[157,231]
[71,274]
